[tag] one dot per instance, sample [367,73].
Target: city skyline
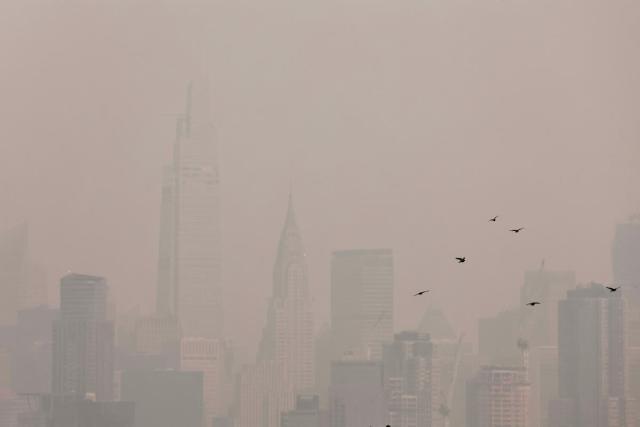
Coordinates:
[340,162]
[244,214]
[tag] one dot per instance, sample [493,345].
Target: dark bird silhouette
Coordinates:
[612,289]
[461,259]
[421,293]
[494,219]
[517,230]
[533,303]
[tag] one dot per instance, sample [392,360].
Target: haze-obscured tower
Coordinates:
[411,380]
[498,397]
[83,340]
[626,272]
[626,253]
[288,335]
[356,394]
[361,302]
[22,283]
[189,259]
[591,359]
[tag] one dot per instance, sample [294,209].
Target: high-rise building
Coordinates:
[288,335]
[306,413]
[633,372]
[498,397]
[22,283]
[497,338]
[323,363]
[626,272]
[540,326]
[166,293]
[11,406]
[5,369]
[626,253]
[591,357]
[265,393]
[411,380]
[209,357]
[86,413]
[356,394]
[83,339]
[544,384]
[158,336]
[189,258]
[361,302]
[456,364]
[32,352]
[165,398]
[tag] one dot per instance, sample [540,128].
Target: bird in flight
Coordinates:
[517,230]
[421,293]
[611,289]
[461,259]
[494,219]
[533,303]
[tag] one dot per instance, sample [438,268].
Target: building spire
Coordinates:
[291,215]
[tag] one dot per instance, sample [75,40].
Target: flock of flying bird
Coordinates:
[515,231]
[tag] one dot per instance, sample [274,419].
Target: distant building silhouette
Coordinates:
[22,283]
[208,356]
[592,361]
[362,283]
[265,393]
[626,253]
[540,326]
[411,380]
[497,337]
[544,383]
[307,413]
[288,336]
[32,353]
[498,397]
[165,398]
[83,339]
[626,272]
[189,258]
[356,394]
[86,413]
[11,406]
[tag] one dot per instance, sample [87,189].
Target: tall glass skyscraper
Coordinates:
[361,302]
[189,259]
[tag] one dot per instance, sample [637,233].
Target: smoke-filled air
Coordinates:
[337,213]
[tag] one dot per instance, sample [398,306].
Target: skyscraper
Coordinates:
[288,335]
[265,393]
[498,397]
[189,259]
[209,357]
[361,302]
[540,326]
[591,356]
[411,380]
[626,253]
[306,414]
[166,290]
[356,394]
[83,339]
[22,283]
[626,272]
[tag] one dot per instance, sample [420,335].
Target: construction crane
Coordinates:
[447,406]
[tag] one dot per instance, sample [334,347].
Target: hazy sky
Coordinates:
[402,124]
